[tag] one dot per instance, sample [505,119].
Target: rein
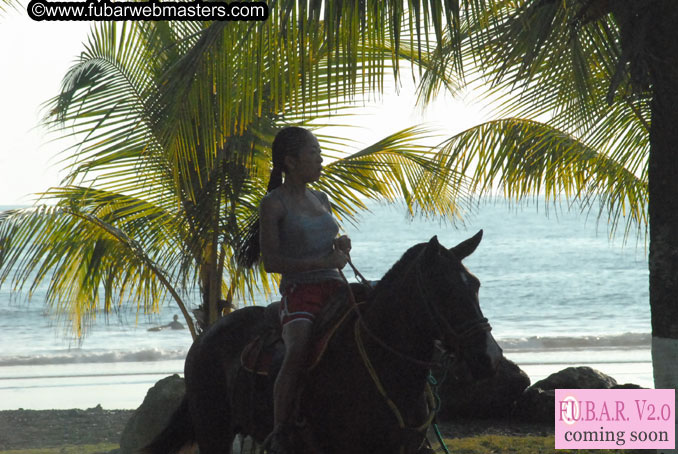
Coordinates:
[430,396]
[431,400]
[471,328]
[377,339]
[357,273]
[460,337]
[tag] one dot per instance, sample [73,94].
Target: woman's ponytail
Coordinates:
[276,179]
[249,252]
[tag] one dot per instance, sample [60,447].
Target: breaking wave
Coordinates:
[551,343]
[80,357]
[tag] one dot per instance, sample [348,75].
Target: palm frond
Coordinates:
[91,265]
[555,65]
[396,167]
[524,158]
[293,41]
[6,5]
[105,100]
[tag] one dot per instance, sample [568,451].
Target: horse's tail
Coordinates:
[177,433]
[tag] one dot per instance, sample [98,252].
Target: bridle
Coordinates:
[460,336]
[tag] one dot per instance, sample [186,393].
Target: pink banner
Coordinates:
[615,419]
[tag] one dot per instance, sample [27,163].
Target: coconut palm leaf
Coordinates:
[524,158]
[91,264]
[562,64]
[164,185]
[296,32]
[396,168]
[6,5]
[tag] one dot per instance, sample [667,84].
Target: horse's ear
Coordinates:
[466,248]
[432,247]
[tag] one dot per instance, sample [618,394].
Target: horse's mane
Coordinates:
[394,275]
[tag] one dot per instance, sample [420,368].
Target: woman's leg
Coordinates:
[296,336]
[300,304]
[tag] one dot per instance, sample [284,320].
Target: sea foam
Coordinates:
[79,357]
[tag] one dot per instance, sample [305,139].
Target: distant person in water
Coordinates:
[174,324]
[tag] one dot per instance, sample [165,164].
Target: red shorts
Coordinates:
[305,301]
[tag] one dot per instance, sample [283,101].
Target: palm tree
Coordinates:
[604,71]
[607,140]
[163,185]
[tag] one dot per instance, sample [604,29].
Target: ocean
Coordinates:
[557,291]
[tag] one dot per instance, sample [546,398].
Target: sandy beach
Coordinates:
[33,429]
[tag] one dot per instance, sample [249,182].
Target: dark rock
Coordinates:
[535,405]
[489,398]
[153,415]
[576,378]
[627,386]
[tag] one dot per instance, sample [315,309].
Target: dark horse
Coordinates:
[368,393]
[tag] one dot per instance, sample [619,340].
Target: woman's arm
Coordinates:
[271,212]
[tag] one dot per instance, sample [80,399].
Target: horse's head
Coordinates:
[450,298]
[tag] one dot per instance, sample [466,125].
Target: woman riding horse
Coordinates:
[298,239]
[368,392]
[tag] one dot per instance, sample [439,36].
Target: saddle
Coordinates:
[263,355]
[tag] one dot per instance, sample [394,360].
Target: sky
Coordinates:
[35,56]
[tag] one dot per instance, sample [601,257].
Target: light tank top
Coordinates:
[305,236]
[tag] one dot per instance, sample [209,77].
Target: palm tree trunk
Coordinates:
[215,277]
[210,286]
[214,286]
[663,190]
